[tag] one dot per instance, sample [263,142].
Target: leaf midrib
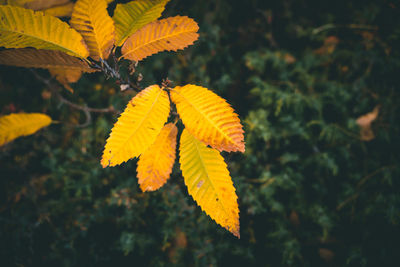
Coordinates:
[158,153]
[20,127]
[156,40]
[141,122]
[43,40]
[206,171]
[91,17]
[134,23]
[208,119]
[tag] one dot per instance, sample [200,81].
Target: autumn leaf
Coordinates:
[209,118]
[168,34]
[328,47]
[137,127]
[21,27]
[57,8]
[66,69]
[60,11]
[37,4]
[208,181]
[22,124]
[155,165]
[365,124]
[90,18]
[45,59]
[134,15]
[66,76]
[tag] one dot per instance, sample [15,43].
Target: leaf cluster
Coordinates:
[312,191]
[84,46]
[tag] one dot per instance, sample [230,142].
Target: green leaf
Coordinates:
[134,15]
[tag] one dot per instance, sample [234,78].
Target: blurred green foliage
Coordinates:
[311,191]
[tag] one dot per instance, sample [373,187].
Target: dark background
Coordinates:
[311,191]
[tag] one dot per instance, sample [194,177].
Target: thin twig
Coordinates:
[346,132]
[55,90]
[349,26]
[347,201]
[360,184]
[114,73]
[369,176]
[84,108]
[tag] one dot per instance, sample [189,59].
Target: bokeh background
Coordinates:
[316,85]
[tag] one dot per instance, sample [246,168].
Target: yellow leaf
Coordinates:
[208,117]
[21,27]
[90,18]
[155,165]
[208,181]
[60,11]
[137,127]
[66,76]
[33,58]
[168,34]
[134,15]
[16,125]
[37,4]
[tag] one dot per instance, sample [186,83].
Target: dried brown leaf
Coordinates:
[365,124]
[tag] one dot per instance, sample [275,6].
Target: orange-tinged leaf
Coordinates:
[90,18]
[365,124]
[34,58]
[66,76]
[21,28]
[328,47]
[60,11]
[132,16]
[22,124]
[137,127]
[209,118]
[155,165]
[168,34]
[208,181]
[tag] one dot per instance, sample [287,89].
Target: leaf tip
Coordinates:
[242,148]
[147,188]
[104,163]
[236,233]
[234,227]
